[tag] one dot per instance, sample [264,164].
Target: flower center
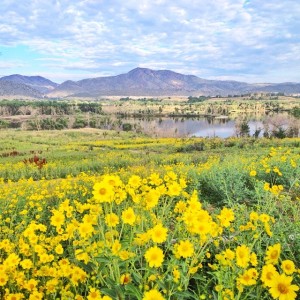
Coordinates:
[247,277]
[154,256]
[288,267]
[274,254]
[269,275]
[282,288]
[102,191]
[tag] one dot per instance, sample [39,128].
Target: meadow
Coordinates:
[94,214]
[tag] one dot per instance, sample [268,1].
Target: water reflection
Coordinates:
[160,127]
[200,127]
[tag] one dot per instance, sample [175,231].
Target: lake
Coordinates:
[170,126]
[200,127]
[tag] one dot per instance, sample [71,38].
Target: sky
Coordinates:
[245,40]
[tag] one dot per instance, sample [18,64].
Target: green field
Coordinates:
[93,214]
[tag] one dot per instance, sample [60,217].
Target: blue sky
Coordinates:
[245,40]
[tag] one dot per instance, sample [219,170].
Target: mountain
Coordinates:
[18,90]
[147,82]
[286,87]
[38,83]
[137,82]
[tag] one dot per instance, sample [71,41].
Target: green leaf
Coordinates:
[103,260]
[109,292]
[186,295]
[133,291]
[116,292]
[137,277]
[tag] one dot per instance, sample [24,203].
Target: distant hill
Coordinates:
[137,82]
[18,90]
[286,87]
[38,83]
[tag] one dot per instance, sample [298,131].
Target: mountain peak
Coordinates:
[150,71]
[140,70]
[27,79]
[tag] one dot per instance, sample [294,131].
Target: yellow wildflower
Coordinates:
[154,256]
[288,267]
[153,294]
[272,254]
[158,234]
[281,287]
[242,256]
[185,249]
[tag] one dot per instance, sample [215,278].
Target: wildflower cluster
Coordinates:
[101,237]
[151,231]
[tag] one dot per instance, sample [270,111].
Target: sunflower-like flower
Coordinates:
[154,256]
[272,254]
[281,287]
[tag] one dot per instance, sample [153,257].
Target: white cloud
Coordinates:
[11,64]
[217,38]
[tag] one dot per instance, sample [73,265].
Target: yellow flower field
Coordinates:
[192,224]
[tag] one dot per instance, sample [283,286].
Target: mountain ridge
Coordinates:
[39,83]
[136,82]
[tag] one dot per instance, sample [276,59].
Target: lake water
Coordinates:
[184,127]
[202,127]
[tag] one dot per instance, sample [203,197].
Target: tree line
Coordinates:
[48,107]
